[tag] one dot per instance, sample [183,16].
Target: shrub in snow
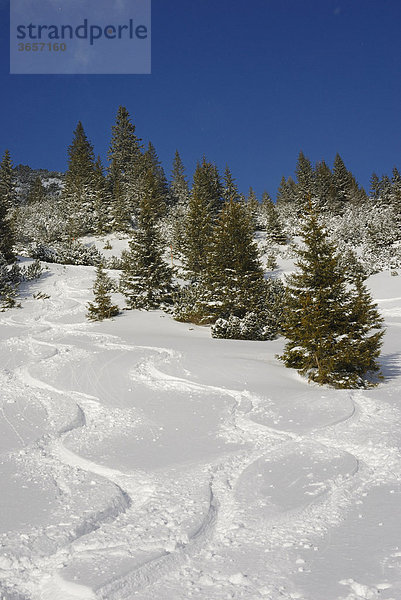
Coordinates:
[39,223]
[271,259]
[380,259]
[33,271]
[249,327]
[67,253]
[262,321]
[113,263]
[192,306]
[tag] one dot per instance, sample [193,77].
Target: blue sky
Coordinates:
[248,83]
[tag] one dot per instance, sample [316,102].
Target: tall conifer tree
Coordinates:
[101,201]
[146,280]
[6,202]
[78,193]
[178,201]
[234,273]
[274,229]
[253,207]
[325,191]
[375,186]
[125,147]
[7,181]
[343,182]
[124,171]
[230,189]
[202,208]
[305,180]
[37,192]
[179,191]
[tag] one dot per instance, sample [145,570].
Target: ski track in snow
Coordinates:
[40,574]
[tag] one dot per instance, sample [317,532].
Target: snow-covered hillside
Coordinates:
[142,459]
[25,177]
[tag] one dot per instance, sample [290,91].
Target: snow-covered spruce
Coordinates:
[102,307]
[231,290]
[334,330]
[146,279]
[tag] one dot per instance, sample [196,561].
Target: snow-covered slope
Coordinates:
[142,459]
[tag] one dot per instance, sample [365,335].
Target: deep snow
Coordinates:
[142,459]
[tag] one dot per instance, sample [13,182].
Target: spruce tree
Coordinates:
[342,179]
[228,288]
[6,202]
[124,171]
[364,318]
[396,193]
[7,181]
[386,190]
[101,201]
[125,147]
[375,186]
[179,191]
[230,189]
[146,280]
[81,158]
[37,192]
[200,219]
[207,185]
[78,193]
[8,285]
[328,322]
[286,193]
[231,292]
[120,212]
[152,162]
[325,191]
[102,308]
[305,180]
[253,208]
[233,265]
[274,230]
[178,200]
[287,204]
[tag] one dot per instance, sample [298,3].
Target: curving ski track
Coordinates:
[133,490]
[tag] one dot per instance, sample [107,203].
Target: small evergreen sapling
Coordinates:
[102,308]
